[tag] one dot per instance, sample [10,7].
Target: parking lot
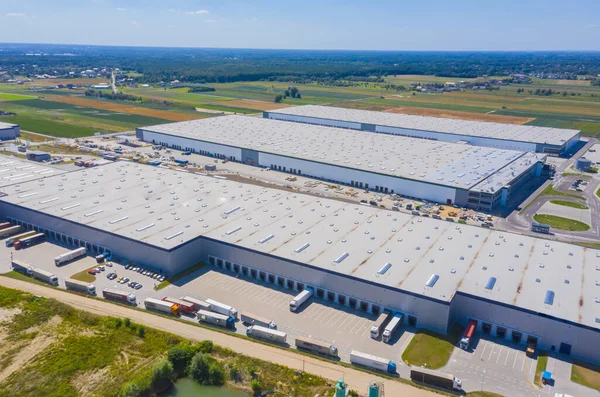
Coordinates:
[496,365]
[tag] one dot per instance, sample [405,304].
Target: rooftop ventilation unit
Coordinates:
[432,280]
[549,299]
[384,269]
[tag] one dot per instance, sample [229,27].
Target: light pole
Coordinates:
[482,379]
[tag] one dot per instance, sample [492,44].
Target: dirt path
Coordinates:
[356,379]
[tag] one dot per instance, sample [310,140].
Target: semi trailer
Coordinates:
[392,327]
[44,275]
[162,306]
[183,305]
[9,231]
[80,286]
[315,346]
[373,362]
[468,334]
[434,378]
[204,316]
[267,334]
[21,267]
[29,241]
[253,319]
[300,299]
[222,308]
[379,324]
[4,225]
[198,303]
[69,256]
[11,241]
[119,296]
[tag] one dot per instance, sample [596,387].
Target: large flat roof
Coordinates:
[4,126]
[167,208]
[14,170]
[512,132]
[442,163]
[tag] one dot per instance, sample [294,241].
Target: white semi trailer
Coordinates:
[267,334]
[69,256]
[222,308]
[80,286]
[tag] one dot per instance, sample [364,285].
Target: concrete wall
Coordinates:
[431,314]
[10,133]
[549,331]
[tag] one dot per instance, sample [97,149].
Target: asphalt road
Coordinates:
[356,380]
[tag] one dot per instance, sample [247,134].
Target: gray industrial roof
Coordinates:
[14,170]
[4,125]
[513,132]
[443,163]
[166,208]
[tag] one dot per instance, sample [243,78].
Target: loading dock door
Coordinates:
[565,348]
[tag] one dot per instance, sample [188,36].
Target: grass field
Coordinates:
[551,191]
[540,367]
[586,374]
[14,97]
[569,204]
[558,222]
[84,276]
[431,349]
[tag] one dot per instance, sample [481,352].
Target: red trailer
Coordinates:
[183,305]
[468,334]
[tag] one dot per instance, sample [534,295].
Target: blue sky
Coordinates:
[308,24]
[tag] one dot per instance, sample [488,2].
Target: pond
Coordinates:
[186,387]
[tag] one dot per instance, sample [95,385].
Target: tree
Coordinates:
[216,374]
[180,358]
[278,99]
[294,91]
[162,375]
[131,390]
[198,369]
[286,93]
[256,387]
[206,346]
[298,96]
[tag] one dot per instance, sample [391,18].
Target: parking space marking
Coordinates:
[492,352]
[515,362]
[484,347]
[499,354]
[523,363]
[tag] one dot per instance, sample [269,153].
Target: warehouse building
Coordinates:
[13,170]
[9,131]
[478,133]
[448,173]
[517,287]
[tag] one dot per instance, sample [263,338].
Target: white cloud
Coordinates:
[121,9]
[15,14]
[210,20]
[199,12]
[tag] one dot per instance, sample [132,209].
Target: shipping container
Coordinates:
[316,346]
[162,306]
[253,319]
[183,305]
[69,256]
[267,334]
[222,308]
[221,320]
[80,286]
[300,299]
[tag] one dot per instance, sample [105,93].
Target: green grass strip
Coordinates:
[561,223]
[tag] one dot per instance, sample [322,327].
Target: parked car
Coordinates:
[162,278]
[155,276]
[125,280]
[92,272]
[138,286]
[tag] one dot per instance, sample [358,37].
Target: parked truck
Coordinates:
[468,334]
[300,299]
[434,378]
[373,362]
[392,327]
[379,324]
[162,306]
[198,303]
[44,275]
[222,308]
[120,296]
[253,319]
[9,231]
[183,305]
[268,334]
[80,286]
[204,316]
[4,225]
[69,256]
[21,267]
[316,346]
[11,241]
[29,241]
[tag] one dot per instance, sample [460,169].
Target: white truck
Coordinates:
[80,286]
[316,346]
[373,362]
[392,327]
[120,296]
[69,256]
[44,275]
[300,299]
[379,324]
[435,378]
[12,240]
[267,334]
[21,267]
[198,303]
[253,319]
[204,316]
[222,308]
[9,231]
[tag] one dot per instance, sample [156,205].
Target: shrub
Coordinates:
[256,387]
[127,322]
[198,369]
[206,346]
[131,390]
[353,393]
[141,332]
[162,375]
[180,358]
[216,374]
